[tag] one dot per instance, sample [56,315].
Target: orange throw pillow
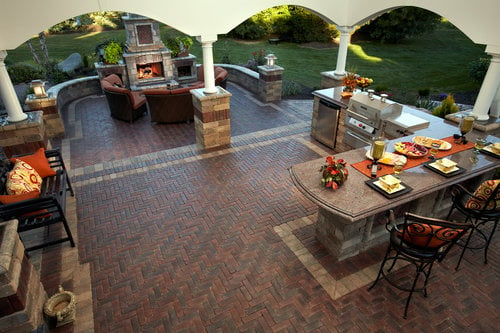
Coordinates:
[418,234]
[8,199]
[22,179]
[38,161]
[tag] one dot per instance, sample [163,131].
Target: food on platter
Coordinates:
[389,183]
[427,142]
[495,147]
[446,165]
[410,149]
[388,158]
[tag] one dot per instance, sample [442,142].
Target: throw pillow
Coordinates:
[22,178]
[38,161]
[483,192]
[8,199]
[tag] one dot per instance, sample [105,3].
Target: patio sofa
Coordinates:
[124,104]
[170,105]
[176,105]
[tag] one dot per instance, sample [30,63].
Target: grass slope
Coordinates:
[438,61]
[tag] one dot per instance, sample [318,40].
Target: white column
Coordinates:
[345,33]
[208,63]
[9,96]
[488,90]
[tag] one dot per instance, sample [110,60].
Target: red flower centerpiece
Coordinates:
[334,172]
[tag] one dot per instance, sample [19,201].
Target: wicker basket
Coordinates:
[61,307]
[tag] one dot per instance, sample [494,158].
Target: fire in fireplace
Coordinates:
[149,71]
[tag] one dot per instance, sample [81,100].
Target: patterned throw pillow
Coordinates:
[483,192]
[23,179]
[38,161]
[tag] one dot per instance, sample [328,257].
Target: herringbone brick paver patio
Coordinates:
[180,240]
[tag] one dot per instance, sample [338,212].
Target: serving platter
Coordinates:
[427,142]
[388,158]
[375,184]
[434,166]
[489,151]
[410,149]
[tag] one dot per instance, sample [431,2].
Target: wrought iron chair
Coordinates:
[482,210]
[419,241]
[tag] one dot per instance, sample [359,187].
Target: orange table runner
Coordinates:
[412,162]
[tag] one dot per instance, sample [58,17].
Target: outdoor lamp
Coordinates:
[271,60]
[38,88]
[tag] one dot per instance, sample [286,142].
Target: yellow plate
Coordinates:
[427,142]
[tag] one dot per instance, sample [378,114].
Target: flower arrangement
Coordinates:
[349,82]
[334,172]
[363,82]
[259,57]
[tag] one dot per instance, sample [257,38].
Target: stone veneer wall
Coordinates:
[243,76]
[68,91]
[25,136]
[22,295]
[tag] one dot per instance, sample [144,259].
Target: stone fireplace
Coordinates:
[147,60]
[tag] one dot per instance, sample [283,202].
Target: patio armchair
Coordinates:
[124,104]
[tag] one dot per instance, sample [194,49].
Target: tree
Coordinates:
[398,24]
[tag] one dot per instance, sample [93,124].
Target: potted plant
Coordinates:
[179,46]
[113,53]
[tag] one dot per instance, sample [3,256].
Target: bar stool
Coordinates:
[419,241]
[480,209]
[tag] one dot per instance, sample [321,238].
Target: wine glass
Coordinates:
[398,168]
[478,145]
[466,125]
[434,150]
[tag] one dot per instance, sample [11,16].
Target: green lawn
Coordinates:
[438,61]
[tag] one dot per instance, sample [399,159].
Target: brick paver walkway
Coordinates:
[180,240]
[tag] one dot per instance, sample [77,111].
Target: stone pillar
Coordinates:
[334,78]
[8,94]
[211,118]
[208,64]
[54,126]
[270,83]
[25,136]
[22,295]
[491,84]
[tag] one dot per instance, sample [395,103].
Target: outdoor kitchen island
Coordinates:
[352,218]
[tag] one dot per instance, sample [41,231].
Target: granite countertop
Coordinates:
[355,200]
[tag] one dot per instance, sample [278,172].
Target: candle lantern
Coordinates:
[270,60]
[39,88]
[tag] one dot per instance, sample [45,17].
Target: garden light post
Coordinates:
[38,88]
[270,60]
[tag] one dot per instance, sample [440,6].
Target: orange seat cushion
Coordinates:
[483,192]
[38,161]
[418,234]
[8,199]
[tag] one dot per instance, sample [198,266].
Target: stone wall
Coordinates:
[68,91]
[243,76]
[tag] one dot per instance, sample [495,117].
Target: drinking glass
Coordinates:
[434,150]
[478,145]
[466,125]
[398,168]
[377,152]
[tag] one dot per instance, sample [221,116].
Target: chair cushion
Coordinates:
[418,234]
[38,161]
[483,192]
[23,179]
[8,199]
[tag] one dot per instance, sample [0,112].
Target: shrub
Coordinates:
[478,69]
[290,88]
[447,107]
[303,26]
[23,72]
[113,53]
[250,30]
[401,23]
[55,75]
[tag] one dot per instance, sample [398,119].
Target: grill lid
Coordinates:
[373,108]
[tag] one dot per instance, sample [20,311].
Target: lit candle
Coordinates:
[378,150]
[467,124]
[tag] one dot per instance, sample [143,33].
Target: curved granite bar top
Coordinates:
[355,200]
